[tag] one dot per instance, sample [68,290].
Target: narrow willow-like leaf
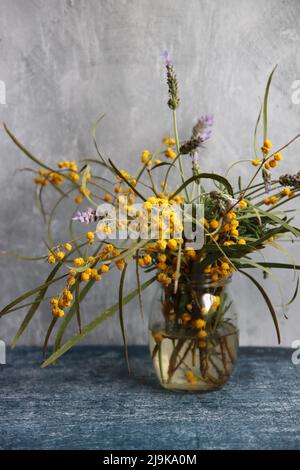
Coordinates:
[24,258]
[138,280]
[266,270]
[265,106]
[267,300]
[26,151]
[158,165]
[211,176]
[284,224]
[240,183]
[27,305]
[95,139]
[83,184]
[121,317]
[77,306]
[39,202]
[255,133]
[48,334]
[270,264]
[126,180]
[29,293]
[34,307]
[93,324]
[295,293]
[68,317]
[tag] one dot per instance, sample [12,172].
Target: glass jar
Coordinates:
[193,335]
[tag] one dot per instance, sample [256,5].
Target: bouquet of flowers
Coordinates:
[191,238]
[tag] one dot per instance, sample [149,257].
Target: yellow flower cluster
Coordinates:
[48,176]
[73,170]
[145,261]
[63,300]
[119,189]
[190,377]
[272,162]
[219,270]
[271,200]
[82,192]
[230,228]
[267,145]
[147,156]
[168,141]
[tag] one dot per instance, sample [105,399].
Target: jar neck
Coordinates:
[203,280]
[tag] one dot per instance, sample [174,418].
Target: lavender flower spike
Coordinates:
[86,217]
[167,56]
[201,129]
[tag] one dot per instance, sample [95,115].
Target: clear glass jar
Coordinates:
[193,335]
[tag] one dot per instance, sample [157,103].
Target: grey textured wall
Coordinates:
[65,62]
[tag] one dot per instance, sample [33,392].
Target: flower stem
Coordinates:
[181,170]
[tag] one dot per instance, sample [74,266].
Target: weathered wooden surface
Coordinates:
[88,401]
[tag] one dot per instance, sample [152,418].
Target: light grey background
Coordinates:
[65,62]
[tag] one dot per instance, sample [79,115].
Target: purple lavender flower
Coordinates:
[267,177]
[167,56]
[201,133]
[201,129]
[86,217]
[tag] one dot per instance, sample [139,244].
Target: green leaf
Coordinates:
[109,312]
[83,184]
[267,300]
[138,280]
[29,293]
[77,306]
[211,176]
[162,164]
[270,264]
[25,151]
[284,224]
[121,317]
[295,293]
[34,307]
[70,314]
[255,133]
[48,334]
[265,106]
[24,258]
[95,139]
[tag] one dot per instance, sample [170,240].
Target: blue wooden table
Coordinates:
[88,401]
